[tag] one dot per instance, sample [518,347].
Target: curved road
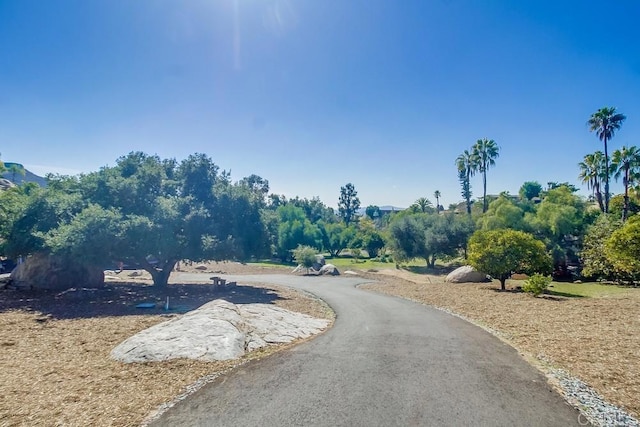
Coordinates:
[386,362]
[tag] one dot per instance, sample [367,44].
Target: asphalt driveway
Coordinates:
[385,362]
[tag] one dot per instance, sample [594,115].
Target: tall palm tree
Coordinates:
[625,162]
[605,122]
[437,195]
[467,166]
[486,151]
[592,174]
[423,205]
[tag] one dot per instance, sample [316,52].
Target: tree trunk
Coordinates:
[503,283]
[431,261]
[599,199]
[625,207]
[160,276]
[484,186]
[468,195]
[606,177]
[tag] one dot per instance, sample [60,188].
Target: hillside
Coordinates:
[19,179]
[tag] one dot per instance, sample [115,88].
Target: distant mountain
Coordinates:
[384,208]
[390,208]
[28,176]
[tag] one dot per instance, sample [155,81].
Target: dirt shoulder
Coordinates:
[54,348]
[594,339]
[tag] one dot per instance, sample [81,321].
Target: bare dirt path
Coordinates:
[386,361]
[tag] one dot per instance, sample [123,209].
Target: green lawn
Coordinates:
[362,264]
[266,263]
[342,263]
[589,289]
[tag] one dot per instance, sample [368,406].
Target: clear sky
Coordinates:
[313,94]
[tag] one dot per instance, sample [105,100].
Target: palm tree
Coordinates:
[437,195]
[467,167]
[486,151]
[592,174]
[625,162]
[423,205]
[605,122]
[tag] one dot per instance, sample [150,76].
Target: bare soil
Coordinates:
[54,347]
[594,339]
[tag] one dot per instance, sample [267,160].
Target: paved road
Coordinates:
[386,362]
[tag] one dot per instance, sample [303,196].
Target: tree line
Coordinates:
[155,212]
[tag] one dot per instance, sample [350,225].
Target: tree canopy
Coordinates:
[348,204]
[530,189]
[605,123]
[428,236]
[503,252]
[154,212]
[485,153]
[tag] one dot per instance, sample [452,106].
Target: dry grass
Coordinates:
[54,349]
[595,339]
[54,353]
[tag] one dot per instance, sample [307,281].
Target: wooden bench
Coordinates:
[218,281]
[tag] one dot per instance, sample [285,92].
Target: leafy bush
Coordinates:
[384,258]
[595,263]
[305,256]
[536,284]
[622,250]
[502,252]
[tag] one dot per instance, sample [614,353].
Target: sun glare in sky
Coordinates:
[312,94]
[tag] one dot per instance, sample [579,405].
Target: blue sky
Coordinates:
[314,94]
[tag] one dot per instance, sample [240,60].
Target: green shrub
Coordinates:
[536,284]
[305,256]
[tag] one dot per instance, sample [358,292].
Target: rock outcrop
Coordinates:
[5,184]
[320,262]
[466,274]
[219,330]
[330,270]
[42,271]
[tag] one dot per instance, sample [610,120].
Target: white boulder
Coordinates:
[466,274]
[329,269]
[219,330]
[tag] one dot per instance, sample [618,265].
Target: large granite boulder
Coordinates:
[42,271]
[219,330]
[330,270]
[466,274]
[319,262]
[5,184]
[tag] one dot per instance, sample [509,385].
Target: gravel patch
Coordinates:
[593,408]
